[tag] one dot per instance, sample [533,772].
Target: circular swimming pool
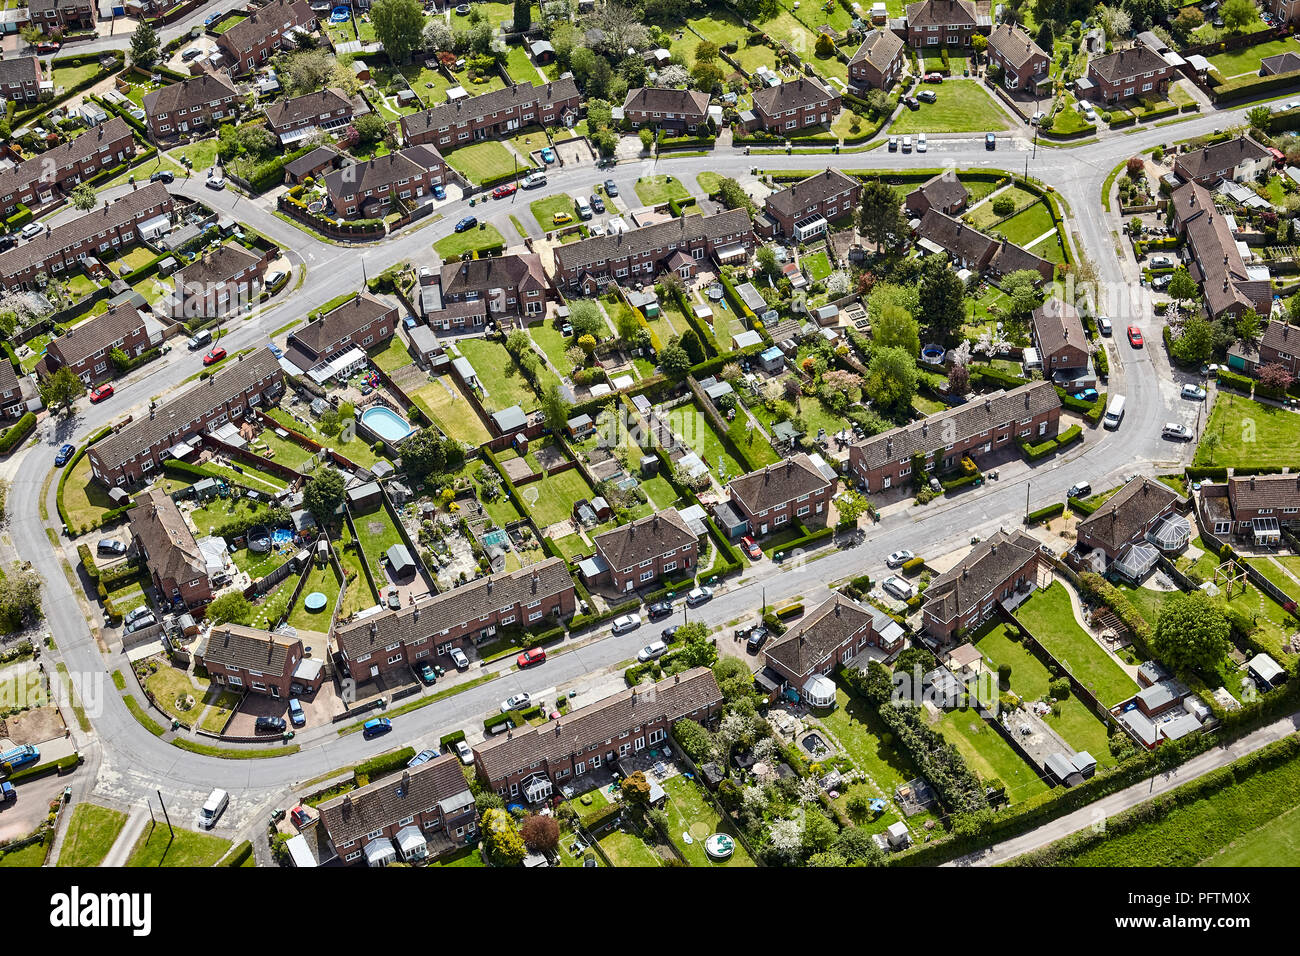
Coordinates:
[386,423]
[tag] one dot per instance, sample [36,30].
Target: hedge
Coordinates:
[1240,383]
[1042,514]
[913,565]
[590,620]
[382,765]
[1252,86]
[238,855]
[45,769]
[16,432]
[810,537]
[445,743]
[961,481]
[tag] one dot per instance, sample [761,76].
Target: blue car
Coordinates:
[212,19]
[548,155]
[469,222]
[296,713]
[64,454]
[439,192]
[376,726]
[1086,395]
[276,350]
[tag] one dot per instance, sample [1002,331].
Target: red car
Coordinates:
[934,77]
[751,547]
[216,355]
[534,655]
[101,393]
[501,192]
[1135,336]
[47,46]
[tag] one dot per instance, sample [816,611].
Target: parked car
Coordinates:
[424,756]
[751,548]
[548,155]
[439,193]
[140,623]
[134,615]
[897,587]
[628,622]
[1194,392]
[756,639]
[376,726]
[899,558]
[276,350]
[1086,394]
[459,659]
[163,176]
[927,96]
[611,188]
[427,676]
[214,356]
[893,144]
[216,182]
[921,144]
[1176,431]
[100,393]
[1080,489]
[659,609]
[698,596]
[270,725]
[1161,281]
[532,181]
[907,144]
[501,192]
[1161,262]
[469,222]
[652,651]
[8,792]
[597,204]
[7,242]
[1135,336]
[934,77]
[560,218]
[47,46]
[393,599]
[911,102]
[1037,118]
[110,547]
[65,452]
[990,141]
[531,657]
[516,702]
[1103,325]
[296,715]
[464,753]
[669,632]
[32,230]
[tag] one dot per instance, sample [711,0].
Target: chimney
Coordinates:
[656,524]
[406,782]
[415,615]
[374,631]
[1026,399]
[988,404]
[965,572]
[767,474]
[489,585]
[889,447]
[1252,482]
[536,581]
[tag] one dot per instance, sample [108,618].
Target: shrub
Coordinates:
[913,565]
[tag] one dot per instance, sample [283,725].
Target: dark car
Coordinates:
[438,192]
[110,547]
[64,454]
[469,222]
[611,188]
[376,726]
[163,176]
[7,241]
[670,631]
[756,638]
[990,141]
[597,204]
[270,725]
[659,609]
[427,675]
[911,102]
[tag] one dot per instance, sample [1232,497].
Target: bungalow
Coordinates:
[971,249]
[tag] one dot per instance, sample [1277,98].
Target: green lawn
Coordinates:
[157,847]
[212,514]
[1246,60]
[858,728]
[170,687]
[962,107]
[1275,843]
[202,154]
[359,594]
[989,755]
[817,265]
[485,236]
[1049,617]
[355,450]
[1025,227]
[392,356]
[545,210]
[91,833]
[554,343]
[628,849]
[325,580]
[983,216]
[689,812]
[551,499]
[692,427]
[31,855]
[84,499]
[502,383]
[1051,249]
[803,40]
[479,161]
[376,533]
[1249,434]
[444,402]
[66,77]
[519,66]
[660,188]
[467,857]
[227,23]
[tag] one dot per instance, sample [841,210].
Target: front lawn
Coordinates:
[653,190]
[91,833]
[962,107]
[483,236]
[1049,617]
[479,161]
[84,499]
[502,384]
[202,154]
[545,210]
[158,846]
[983,217]
[1249,434]
[1027,226]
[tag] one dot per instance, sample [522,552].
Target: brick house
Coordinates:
[85,348]
[529,764]
[40,179]
[492,114]
[936,23]
[135,451]
[1003,566]
[1286,11]
[302,117]
[649,549]
[250,43]
[794,106]
[1031,412]
[791,490]
[220,281]
[971,249]
[835,632]
[513,284]
[1127,517]
[195,105]
[61,15]
[1279,345]
[682,245]
[389,643]
[427,811]
[245,658]
[805,209]
[12,403]
[675,111]
[1058,333]
[167,545]
[877,62]
[1133,72]
[1252,506]
[1217,264]
[365,190]
[64,246]
[944,192]
[360,322]
[1024,64]
[1240,159]
[20,79]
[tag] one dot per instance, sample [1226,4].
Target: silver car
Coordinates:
[897,587]
[652,651]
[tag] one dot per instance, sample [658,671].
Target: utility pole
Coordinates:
[1026,500]
[166,816]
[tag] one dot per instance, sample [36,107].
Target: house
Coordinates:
[85,348]
[683,245]
[1023,62]
[218,282]
[1004,566]
[12,403]
[971,249]
[1239,159]
[391,642]
[877,62]
[273,26]
[1127,517]
[675,111]
[1279,63]
[790,107]
[646,550]
[191,106]
[1030,412]
[360,322]
[1279,345]
[20,79]
[831,635]
[944,192]
[1058,333]
[492,114]
[64,247]
[528,764]
[514,284]
[422,813]
[61,15]
[1136,71]
[319,161]
[42,178]
[167,545]
[300,118]
[939,23]
[242,658]
[791,490]
[136,450]
[1230,287]
[1252,506]
[805,209]
[367,190]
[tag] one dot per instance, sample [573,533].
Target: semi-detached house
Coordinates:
[62,15]
[43,177]
[1279,345]
[637,554]
[1023,62]
[1004,567]
[877,62]
[190,106]
[805,209]
[676,111]
[791,490]
[250,43]
[366,190]
[1137,71]
[247,658]
[1256,507]
[170,551]
[1240,159]
[360,322]
[936,23]
[86,348]
[219,281]
[20,79]
[513,284]
[492,114]
[302,117]
[793,106]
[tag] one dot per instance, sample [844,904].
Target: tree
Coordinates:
[1115,21]
[1248,327]
[20,598]
[674,360]
[586,318]
[891,378]
[706,76]
[1188,19]
[636,791]
[1259,118]
[232,607]
[399,25]
[958,378]
[851,506]
[371,130]
[1239,14]
[856,846]
[1004,206]
[732,194]
[706,51]
[437,36]
[824,47]
[323,494]
[1191,633]
[1045,36]
[1275,376]
[979,43]
[540,833]
[83,197]
[523,15]
[1196,343]
[942,300]
[695,740]
[306,71]
[879,216]
[1182,286]
[690,341]
[428,453]
[504,844]
[555,408]
[144,46]
[895,328]
[61,389]
[765,260]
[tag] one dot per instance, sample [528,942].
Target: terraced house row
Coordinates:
[52,174]
[493,114]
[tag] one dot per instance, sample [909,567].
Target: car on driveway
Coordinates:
[548,155]
[276,350]
[531,657]
[1161,281]
[1161,262]
[934,77]
[1135,336]
[532,181]
[751,548]
[424,756]
[65,452]
[660,609]
[501,192]
[110,548]
[163,176]
[927,96]
[1176,431]
[652,651]
[1086,395]
[459,659]
[438,192]
[897,587]
[990,141]
[214,356]
[296,715]
[516,702]
[1194,392]
[469,222]
[628,622]
[270,725]
[393,599]
[611,188]
[376,726]
[464,753]
[698,596]
[597,204]
[427,675]
[754,642]
[134,615]
[1103,325]
[899,558]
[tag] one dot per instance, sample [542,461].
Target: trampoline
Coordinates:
[715,293]
[315,602]
[259,541]
[932,354]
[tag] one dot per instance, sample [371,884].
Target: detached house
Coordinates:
[936,23]
[1240,159]
[245,658]
[1133,72]
[20,79]
[1023,62]
[85,348]
[790,107]
[1000,569]
[192,105]
[878,61]
[650,549]
[678,111]
[493,114]
[945,193]
[791,490]
[1133,515]
[177,566]
[805,209]
[367,190]
[250,43]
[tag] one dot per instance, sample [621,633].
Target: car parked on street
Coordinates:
[214,356]
[921,144]
[1193,392]
[1081,489]
[628,622]
[468,222]
[1176,431]
[532,181]
[376,726]
[216,182]
[893,144]
[507,189]
[698,596]
[990,141]
[163,176]
[531,658]
[907,144]
[32,230]
[660,609]
[1135,336]
[899,558]
[64,453]
[516,702]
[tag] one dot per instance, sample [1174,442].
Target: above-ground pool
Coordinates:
[932,354]
[719,846]
[315,602]
[386,423]
[259,542]
[340,14]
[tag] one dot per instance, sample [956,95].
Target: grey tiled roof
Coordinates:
[973,581]
[628,545]
[157,524]
[497,101]
[96,334]
[216,266]
[1127,512]
[879,47]
[310,106]
[944,190]
[1014,45]
[20,69]
[808,192]
[1127,63]
[820,633]
[587,252]
[235,645]
[522,270]
[657,99]
[339,323]
[1226,155]
[796,94]
[382,172]
[195,91]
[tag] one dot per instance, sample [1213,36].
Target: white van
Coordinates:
[584,208]
[213,808]
[1114,412]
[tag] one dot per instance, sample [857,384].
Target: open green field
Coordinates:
[443,401]
[91,834]
[688,812]
[202,154]
[1275,843]
[989,755]
[157,847]
[1050,618]
[1246,60]
[962,107]
[1250,434]
[502,383]
[660,188]
[692,427]
[483,236]
[482,160]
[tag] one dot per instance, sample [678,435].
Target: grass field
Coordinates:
[989,755]
[962,107]
[91,834]
[519,66]
[31,855]
[1249,434]
[1276,843]
[551,499]
[483,160]
[688,812]
[443,401]
[484,236]
[1026,226]
[156,847]
[1246,60]
[502,383]
[1049,617]
[628,849]
[660,188]
[983,217]
[376,533]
